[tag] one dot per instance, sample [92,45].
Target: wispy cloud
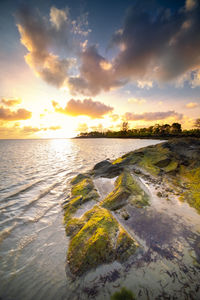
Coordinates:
[137,100]
[10,102]
[152,116]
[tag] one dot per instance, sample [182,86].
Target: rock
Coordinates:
[125,215]
[163,163]
[126,189]
[107,169]
[100,240]
[137,171]
[159,194]
[79,178]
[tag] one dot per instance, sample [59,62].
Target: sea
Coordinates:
[34,183]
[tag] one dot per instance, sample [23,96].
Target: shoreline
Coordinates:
[157,227]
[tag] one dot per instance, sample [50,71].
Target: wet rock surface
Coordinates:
[166,264]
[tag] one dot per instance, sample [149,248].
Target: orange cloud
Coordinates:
[192,104]
[38,35]
[10,102]
[87,107]
[8,115]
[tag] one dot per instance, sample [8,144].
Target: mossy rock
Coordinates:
[83,187]
[126,188]
[73,226]
[126,246]
[99,240]
[79,178]
[71,207]
[93,244]
[123,294]
[82,192]
[191,178]
[86,189]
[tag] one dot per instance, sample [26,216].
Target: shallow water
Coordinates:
[34,176]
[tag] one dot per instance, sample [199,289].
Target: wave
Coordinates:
[22,189]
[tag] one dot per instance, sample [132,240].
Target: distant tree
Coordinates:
[197,123]
[124,126]
[176,128]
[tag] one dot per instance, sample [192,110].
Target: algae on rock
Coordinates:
[100,240]
[126,189]
[83,190]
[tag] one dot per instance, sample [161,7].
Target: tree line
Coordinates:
[156,131]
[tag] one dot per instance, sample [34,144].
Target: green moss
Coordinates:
[74,225]
[126,246]
[97,238]
[82,192]
[71,207]
[83,187]
[173,165]
[93,244]
[123,294]
[126,188]
[132,157]
[153,155]
[191,178]
[118,160]
[79,178]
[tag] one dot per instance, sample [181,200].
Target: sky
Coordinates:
[72,66]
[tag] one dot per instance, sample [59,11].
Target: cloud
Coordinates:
[38,35]
[137,100]
[58,17]
[8,115]
[159,47]
[10,102]
[190,4]
[114,117]
[145,84]
[87,107]
[27,130]
[96,74]
[152,116]
[192,104]
[54,127]
[155,44]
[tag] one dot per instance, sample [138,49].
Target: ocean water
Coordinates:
[34,182]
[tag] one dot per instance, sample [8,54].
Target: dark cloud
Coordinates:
[155,43]
[152,116]
[8,115]
[158,43]
[86,107]
[96,74]
[10,102]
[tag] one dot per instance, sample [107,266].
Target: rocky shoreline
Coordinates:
[134,210]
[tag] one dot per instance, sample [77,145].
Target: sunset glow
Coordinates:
[63,71]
